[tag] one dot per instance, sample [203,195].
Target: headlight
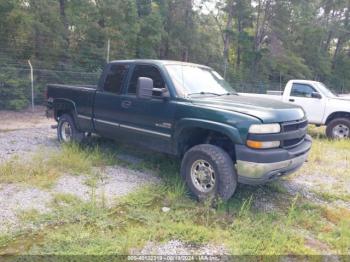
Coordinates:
[265,129]
[263,145]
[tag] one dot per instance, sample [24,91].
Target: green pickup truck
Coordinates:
[187,110]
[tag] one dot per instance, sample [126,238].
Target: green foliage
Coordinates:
[268,42]
[14,88]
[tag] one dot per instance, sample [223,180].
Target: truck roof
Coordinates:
[158,62]
[303,81]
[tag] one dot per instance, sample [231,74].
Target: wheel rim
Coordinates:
[203,176]
[66,132]
[341,131]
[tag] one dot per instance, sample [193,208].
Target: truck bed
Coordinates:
[82,97]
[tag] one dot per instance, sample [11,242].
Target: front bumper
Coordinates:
[261,166]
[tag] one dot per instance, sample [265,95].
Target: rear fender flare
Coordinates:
[66,105]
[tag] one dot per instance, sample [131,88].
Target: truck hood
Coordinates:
[342,97]
[339,104]
[267,110]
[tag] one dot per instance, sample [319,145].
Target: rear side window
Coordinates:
[145,71]
[115,78]
[302,90]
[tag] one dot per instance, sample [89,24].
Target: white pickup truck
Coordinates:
[322,106]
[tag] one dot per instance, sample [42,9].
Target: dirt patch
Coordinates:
[315,244]
[24,119]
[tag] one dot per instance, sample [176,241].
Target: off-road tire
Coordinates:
[225,174]
[335,122]
[76,135]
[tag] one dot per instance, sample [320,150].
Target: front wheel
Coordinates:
[209,172]
[338,128]
[66,130]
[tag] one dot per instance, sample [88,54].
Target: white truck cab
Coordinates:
[322,107]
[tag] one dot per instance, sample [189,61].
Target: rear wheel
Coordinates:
[338,128]
[209,172]
[67,131]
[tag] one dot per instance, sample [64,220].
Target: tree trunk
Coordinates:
[260,32]
[227,36]
[238,52]
[63,17]
[188,22]
[343,37]
[63,13]
[167,27]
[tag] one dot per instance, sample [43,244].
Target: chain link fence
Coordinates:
[15,84]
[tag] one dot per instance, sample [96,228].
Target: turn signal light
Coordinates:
[263,145]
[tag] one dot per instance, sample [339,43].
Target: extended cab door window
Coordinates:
[115,78]
[107,113]
[301,90]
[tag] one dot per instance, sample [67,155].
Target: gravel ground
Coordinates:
[113,182]
[22,142]
[16,198]
[119,181]
[176,247]
[303,187]
[22,133]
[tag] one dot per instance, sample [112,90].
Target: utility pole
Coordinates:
[108,48]
[32,82]
[280,81]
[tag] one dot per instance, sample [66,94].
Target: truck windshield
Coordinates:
[196,80]
[324,89]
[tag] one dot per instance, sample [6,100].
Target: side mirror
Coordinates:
[316,95]
[144,88]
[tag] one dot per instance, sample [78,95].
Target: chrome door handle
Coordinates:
[126,104]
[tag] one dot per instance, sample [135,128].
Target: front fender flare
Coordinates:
[223,128]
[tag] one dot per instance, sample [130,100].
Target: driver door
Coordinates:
[147,121]
[301,94]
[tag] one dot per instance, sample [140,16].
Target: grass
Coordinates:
[294,224]
[327,172]
[44,167]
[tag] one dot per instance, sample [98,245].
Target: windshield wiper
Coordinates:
[231,93]
[205,93]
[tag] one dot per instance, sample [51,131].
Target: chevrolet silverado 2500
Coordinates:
[322,106]
[186,110]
